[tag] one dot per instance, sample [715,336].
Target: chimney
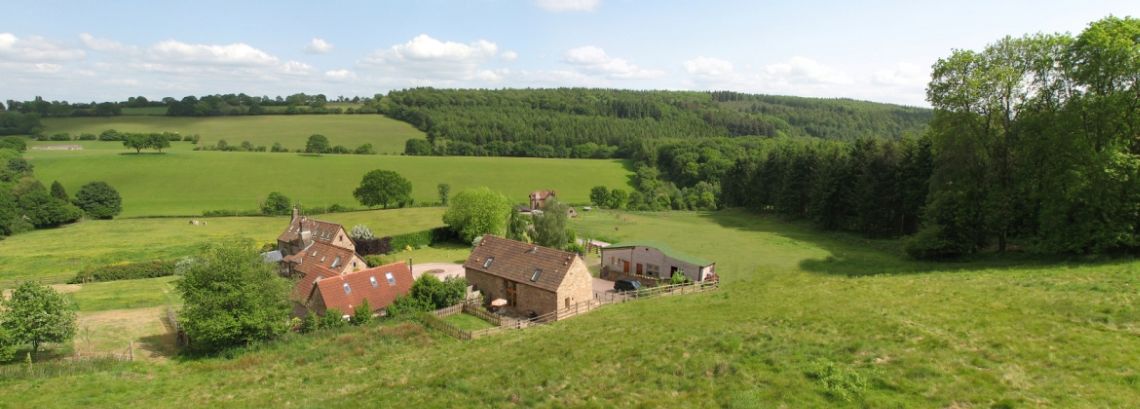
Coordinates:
[296,212]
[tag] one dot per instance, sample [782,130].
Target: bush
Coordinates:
[99,200]
[931,243]
[63,136]
[230,213]
[131,271]
[361,232]
[333,318]
[276,204]
[87,137]
[414,239]
[362,314]
[376,260]
[374,245]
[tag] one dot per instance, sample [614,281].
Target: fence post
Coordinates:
[131,350]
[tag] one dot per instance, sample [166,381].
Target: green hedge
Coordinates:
[422,238]
[149,269]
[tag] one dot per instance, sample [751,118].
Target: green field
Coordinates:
[126,294]
[803,319]
[386,135]
[55,255]
[183,182]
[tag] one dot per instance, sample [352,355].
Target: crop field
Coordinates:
[55,255]
[802,319]
[386,135]
[183,182]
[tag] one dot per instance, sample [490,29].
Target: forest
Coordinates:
[605,123]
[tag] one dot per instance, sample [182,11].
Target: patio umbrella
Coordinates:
[498,302]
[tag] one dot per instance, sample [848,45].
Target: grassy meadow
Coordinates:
[803,319]
[386,135]
[55,255]
[185,182]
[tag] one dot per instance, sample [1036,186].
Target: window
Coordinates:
[487,264]
[391,278]
[336,262]
[534,276]
[347,289]
[653,270]
[373,281]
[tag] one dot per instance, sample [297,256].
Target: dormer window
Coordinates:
[487,264]
[347,289]
[391,278]
[534,276]
[374,282]
[336,262]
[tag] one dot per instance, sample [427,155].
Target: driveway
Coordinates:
[439,270]
[602,287]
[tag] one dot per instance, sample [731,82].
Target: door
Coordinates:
[511,293]
[640,271]
[625,266]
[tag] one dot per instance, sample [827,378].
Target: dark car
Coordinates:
[626,285]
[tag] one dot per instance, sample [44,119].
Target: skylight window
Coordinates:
[336,262]
[534,276]
[347,289]
[391,278]
[487,264]
[374,282]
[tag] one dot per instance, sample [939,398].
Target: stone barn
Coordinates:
[534,280]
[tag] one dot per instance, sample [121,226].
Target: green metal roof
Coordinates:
[664,249]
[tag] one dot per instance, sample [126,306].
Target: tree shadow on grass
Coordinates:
[853,255]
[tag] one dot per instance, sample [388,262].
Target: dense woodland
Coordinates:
[206,105]
[606,123]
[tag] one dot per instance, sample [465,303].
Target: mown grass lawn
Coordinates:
[467,322]
[184,182]
[55,255]
[126,294]
[803,319]
[292,131]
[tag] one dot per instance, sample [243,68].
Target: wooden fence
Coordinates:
[435,320]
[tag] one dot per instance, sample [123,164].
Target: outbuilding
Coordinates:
[653,261]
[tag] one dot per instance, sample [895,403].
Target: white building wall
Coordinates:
[614,258]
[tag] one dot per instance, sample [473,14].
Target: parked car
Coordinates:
[627,285]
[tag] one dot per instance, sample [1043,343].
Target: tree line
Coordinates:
[606,123]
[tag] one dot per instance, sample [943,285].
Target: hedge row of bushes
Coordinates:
[399,242]
[131,271]
[335,208]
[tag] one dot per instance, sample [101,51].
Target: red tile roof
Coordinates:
[320,231]
[371,284]
[304,286]
[324,255]
[517,261]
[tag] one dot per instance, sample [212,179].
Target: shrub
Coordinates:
[99,200]
[63,136]
[376,260]
[838,382]
[361,232]
[87,137]
[276,204]
[414,239]
[333,318]
[931,243]
[309,323]
[230,213]
[374,245]
[362,314]
[130,271]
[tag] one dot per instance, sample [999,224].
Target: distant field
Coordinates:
[55,255]
[183,182]
[386,135]
[803,319]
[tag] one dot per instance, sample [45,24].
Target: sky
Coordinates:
[870,50]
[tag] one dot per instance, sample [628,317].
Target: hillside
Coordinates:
[385,135]
[185,182]
[803,319]
[577,122]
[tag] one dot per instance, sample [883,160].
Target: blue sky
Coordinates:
[873,50]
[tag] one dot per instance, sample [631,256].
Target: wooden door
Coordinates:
[625,266]
[639,269]
[511,293]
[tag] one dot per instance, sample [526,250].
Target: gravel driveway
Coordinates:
[439,270]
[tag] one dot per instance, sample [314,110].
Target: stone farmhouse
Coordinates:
[652,262]
[533,280]
[538,198]
[313,250]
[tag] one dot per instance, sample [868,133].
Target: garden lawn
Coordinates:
[55,255]
[183,182]
[126,294]
[292,131]
[467,322]
[802,319]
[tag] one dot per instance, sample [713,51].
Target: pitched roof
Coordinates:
[324,255]
[347,291]
[517,261]
[664,249]
[320,231]
[303,287]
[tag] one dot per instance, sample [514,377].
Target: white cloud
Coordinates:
[296,68]
[105,45]
[239,54]
[594,60]
[709,67]
[509,56]
[426,60]
[35,49]
[902,74]
[340,74]
[318,46]
[567,5]
[806,71]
